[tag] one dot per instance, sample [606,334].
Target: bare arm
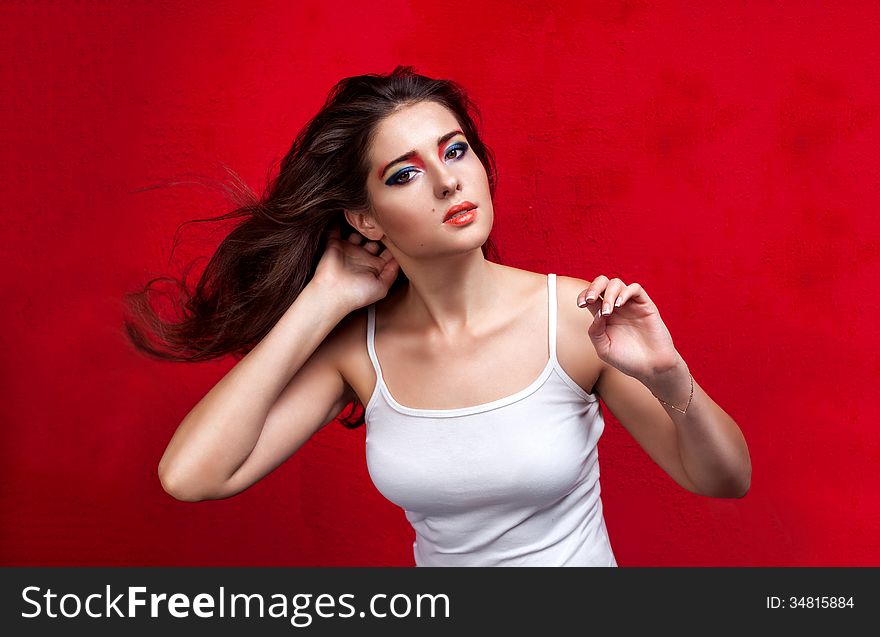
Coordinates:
[216,438]
[698,444]
[284,389]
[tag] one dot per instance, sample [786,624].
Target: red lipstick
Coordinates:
[461,219]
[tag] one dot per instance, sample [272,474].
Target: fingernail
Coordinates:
[606,309]
[582,304]
[590,299]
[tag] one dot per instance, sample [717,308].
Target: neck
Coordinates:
[452,296]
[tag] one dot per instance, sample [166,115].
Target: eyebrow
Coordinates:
[412,153]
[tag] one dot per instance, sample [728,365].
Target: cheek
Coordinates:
[404,213]
[477,171]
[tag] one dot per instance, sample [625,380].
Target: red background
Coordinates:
[724,157]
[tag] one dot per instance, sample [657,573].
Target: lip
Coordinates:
[465,218]
[464,205]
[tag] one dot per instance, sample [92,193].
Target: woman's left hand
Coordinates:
[632,337]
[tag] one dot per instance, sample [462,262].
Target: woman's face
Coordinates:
[410,197]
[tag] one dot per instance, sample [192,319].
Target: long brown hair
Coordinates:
[263,264]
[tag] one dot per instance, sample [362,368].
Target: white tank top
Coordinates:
[512,482]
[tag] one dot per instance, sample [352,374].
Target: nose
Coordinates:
[447,182]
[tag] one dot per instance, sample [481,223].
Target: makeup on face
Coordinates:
[413,156]
[463,219]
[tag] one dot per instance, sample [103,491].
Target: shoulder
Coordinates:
[349,333]
[522,286]
[348,336]
[575,350]
[570,283]
[567,290]
[345,348]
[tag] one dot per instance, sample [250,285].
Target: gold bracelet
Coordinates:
[684,411]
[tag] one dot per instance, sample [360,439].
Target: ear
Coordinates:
[365,223]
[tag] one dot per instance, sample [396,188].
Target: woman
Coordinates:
[481,381]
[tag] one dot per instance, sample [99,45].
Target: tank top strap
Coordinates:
[551,314]
[371,340]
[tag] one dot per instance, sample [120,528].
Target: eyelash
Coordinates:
[394,180]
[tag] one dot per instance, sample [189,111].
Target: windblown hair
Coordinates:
[262,265]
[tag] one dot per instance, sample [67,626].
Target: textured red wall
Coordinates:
[723,156]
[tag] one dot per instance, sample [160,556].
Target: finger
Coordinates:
[372,247]
[593,291]
[380,263]
[355,238]
[597,327]
[637,290]
[389,272]
[612,292]
[630,291]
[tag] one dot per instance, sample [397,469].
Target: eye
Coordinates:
[461,146]
[396,178]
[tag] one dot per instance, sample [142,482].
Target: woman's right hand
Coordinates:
[355,275]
